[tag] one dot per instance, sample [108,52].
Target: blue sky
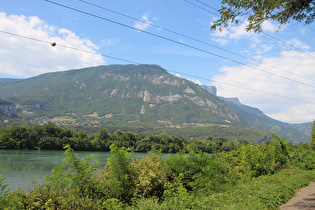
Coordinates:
[276,76]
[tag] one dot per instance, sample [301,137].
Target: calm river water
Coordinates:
[21,167]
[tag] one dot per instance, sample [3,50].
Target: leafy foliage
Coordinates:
[3,186]
[118,174]
[303,157]
[249,177]
[257,160]
[187,166]
[257,11]
[72,172]
[150,176]
[52,137]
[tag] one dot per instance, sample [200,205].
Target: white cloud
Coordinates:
[268,26]
[263,49]
[290,114]
[280,108]
[221,42]
[192,80]
[195,81]
[297,43]
[144,24]
[237,32]
[25,58]
[178,75]
[221,33]
[233,32]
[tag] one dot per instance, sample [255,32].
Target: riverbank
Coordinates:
[21,167]
[250,177]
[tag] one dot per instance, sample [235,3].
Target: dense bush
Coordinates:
[52,137]
[303,157]
[250,177]
[150,177]
[256,160]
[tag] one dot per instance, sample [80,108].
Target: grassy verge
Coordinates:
[265,192]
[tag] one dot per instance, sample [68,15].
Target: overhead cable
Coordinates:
[268,36]
[191,38]
[154,67]
[176,42]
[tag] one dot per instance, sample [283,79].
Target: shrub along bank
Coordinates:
[52,137]
[250,177]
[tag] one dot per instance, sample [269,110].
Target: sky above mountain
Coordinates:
[273,71]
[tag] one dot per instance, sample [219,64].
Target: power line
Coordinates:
[309,27]
[268,36]
[202,8]
[191,38]
[176,42]
[137,63]
[162,28]
[288,45]
[207,5]
[64,46]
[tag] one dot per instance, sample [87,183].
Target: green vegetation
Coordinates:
[189,132]
[257,11]
[52,137]
[132,95]
[312,144]
[143,99]
[3,101]
[249,177]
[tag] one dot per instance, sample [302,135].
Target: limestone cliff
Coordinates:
[7,109]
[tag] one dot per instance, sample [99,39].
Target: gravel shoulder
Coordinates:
[304,199]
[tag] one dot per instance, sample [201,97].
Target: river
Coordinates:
[21,167]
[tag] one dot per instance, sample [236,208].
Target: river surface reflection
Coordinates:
[21,167]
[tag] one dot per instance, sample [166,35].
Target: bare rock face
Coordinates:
[145,94]
[189,90]
[210,89]
[33,106]
[7,109]
[142,111]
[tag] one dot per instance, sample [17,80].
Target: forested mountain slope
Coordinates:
[118,94]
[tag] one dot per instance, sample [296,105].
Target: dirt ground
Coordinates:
[304,199]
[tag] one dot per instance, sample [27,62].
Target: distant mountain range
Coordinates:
[142,96]
[256,119]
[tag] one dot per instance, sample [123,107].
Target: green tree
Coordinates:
[258,11]
[312,144]
[118,173]
[149,175]
[100,140]
[73,172]
[6,141]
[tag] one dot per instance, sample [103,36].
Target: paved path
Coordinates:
[304,199]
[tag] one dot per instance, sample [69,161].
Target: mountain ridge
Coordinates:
[256,119]
[139,93]
[129,95]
